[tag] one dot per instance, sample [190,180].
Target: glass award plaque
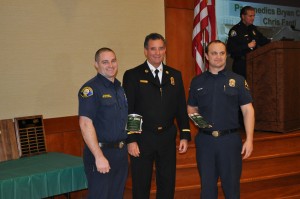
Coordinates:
[134,123]
[199,120]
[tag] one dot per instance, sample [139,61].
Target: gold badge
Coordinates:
[146,71]
[246,85]
[86,92]
[172,81]
[167,72]
[144,81]
[106,96]
[232,83]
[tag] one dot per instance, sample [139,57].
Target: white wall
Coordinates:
[47,48]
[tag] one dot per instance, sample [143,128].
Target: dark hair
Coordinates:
[101,50]
[153,36]
[245,9]
[214,42]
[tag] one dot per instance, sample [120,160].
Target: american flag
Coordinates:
[204,30]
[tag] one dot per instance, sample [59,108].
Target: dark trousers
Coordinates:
[110,185]
[219,158]
[158,148]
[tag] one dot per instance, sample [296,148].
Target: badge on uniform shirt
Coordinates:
[172,81]
[253,32]
[86,92]
[246,85]
[143,81]
[233,33]
[232,82]
[167,72]
[146,71]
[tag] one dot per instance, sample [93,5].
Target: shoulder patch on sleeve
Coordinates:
[246,85]
[233,33]
[86,92]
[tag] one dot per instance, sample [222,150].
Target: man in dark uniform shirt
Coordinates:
[217,95]
[159,101]
[242,39]
[103,115]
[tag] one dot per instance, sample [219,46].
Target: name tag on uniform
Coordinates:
[106,96]
[144,81]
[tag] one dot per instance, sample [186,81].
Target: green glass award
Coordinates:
[199,120]
[134,123]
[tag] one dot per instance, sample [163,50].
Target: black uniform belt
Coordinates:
[118,145]
[218,133]
[158,129]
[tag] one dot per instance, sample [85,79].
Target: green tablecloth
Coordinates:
[41,176]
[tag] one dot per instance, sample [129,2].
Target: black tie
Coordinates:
[156,76]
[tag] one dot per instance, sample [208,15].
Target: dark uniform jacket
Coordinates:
[240,35]
[158,104]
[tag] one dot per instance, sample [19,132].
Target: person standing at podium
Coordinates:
[244,38]
[217,95]
[103,115]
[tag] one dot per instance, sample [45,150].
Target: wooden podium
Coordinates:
[273,74]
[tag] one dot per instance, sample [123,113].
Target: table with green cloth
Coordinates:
[41,176]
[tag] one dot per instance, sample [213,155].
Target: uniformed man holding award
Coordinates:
[155,92]
[214,100]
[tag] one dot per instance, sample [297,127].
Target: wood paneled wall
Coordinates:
[179,27]
[179,16]
[63,135]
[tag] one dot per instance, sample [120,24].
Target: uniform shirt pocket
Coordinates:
[231,94]
[231,91]
[202,97]
[108,102]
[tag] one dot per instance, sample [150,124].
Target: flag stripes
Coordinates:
[204,30]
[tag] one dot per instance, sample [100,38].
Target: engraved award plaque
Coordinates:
[134,123]
[30,135]
[199,120]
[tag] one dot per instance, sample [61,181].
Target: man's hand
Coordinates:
[183,146]
[252,44]
[247,149]
[133,149]
[102,165]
